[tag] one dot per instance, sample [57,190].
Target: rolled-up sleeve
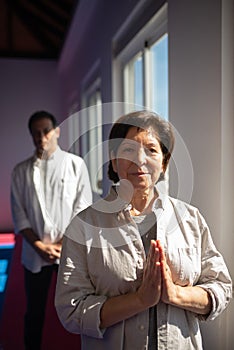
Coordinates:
[77,305]
[215,277]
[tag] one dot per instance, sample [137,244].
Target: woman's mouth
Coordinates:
[139,173]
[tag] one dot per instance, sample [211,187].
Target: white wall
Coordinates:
[201,70]
[26,86]
[201,108]
[227,162]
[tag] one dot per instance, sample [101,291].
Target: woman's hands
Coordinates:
[156,285]
[157,281]
[121,307]
[149,292]
[169,289]
[192,298]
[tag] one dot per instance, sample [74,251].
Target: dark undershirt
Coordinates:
[147,227]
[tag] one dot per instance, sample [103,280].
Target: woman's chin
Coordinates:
[140,185]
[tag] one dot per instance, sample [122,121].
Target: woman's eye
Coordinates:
[153,150]
[128,150]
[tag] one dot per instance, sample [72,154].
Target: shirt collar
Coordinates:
[159,203]
[55,155]
[112,203]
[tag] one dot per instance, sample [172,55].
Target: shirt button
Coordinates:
[142,327]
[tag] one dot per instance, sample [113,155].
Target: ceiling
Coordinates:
[34,28]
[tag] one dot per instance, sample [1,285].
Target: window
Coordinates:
[159,57]
[143,65]
[91,136]
[133,80]
[146,77]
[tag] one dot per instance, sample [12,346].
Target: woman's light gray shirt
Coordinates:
[103,256]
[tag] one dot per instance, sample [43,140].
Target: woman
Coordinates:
[139,269]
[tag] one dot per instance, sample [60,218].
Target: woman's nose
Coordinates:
[141,156]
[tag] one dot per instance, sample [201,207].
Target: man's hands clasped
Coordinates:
[49,252]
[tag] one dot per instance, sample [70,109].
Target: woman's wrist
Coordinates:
[191,298]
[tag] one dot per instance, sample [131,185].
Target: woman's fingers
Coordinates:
[168,290]
[164,267]
[150,290]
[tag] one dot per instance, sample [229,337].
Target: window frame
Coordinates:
[152,31]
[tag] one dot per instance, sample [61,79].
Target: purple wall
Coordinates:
[25,86]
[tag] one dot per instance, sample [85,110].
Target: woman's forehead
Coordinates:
[136,133]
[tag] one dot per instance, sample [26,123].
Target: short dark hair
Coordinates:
[143,120]
[41,115]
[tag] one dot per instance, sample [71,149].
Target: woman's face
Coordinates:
[139,159]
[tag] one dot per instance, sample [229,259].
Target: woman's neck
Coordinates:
[142,202]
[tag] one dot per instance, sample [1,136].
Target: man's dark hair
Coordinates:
[41,115]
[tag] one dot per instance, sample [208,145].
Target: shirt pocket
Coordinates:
[68,188]
[185,265]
